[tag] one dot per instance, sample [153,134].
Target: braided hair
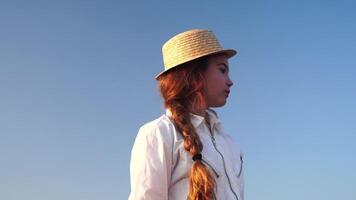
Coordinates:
[182,90]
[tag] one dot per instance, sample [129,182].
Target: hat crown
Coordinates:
[190,45]
[187,46]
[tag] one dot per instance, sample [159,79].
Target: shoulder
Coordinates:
[157,126]
[158,129]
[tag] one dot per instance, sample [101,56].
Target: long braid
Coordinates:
[182,89]
[202,182]
[181,117]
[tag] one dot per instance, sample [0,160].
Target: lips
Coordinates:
[227,92]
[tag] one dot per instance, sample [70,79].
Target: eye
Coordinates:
[223,70]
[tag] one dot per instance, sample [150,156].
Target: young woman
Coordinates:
[185,154]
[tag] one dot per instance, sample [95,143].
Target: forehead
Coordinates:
[218,59]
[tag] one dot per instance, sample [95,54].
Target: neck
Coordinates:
[200,112]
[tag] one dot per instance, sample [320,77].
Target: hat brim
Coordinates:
[229,52]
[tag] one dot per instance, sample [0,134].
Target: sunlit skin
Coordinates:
[217,82]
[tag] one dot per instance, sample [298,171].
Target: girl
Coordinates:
[185,154]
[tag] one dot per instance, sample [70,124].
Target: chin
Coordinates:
[218,104]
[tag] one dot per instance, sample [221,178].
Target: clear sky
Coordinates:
[77,81]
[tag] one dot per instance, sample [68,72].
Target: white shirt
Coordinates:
[160,165]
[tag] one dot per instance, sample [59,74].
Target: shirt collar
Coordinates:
[197,120]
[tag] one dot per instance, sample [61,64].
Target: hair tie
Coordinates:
[197,156]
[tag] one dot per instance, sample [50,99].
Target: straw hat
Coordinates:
[190,45]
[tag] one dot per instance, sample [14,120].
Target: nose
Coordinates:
[229,82]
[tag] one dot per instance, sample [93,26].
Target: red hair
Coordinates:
[182,90]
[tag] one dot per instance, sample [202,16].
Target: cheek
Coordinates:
[214,84]
[219,81]
[212,90]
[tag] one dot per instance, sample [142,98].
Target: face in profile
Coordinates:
[217,82]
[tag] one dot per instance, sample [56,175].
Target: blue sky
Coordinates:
[77,81]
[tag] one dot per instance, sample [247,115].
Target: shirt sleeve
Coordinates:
[150,166]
